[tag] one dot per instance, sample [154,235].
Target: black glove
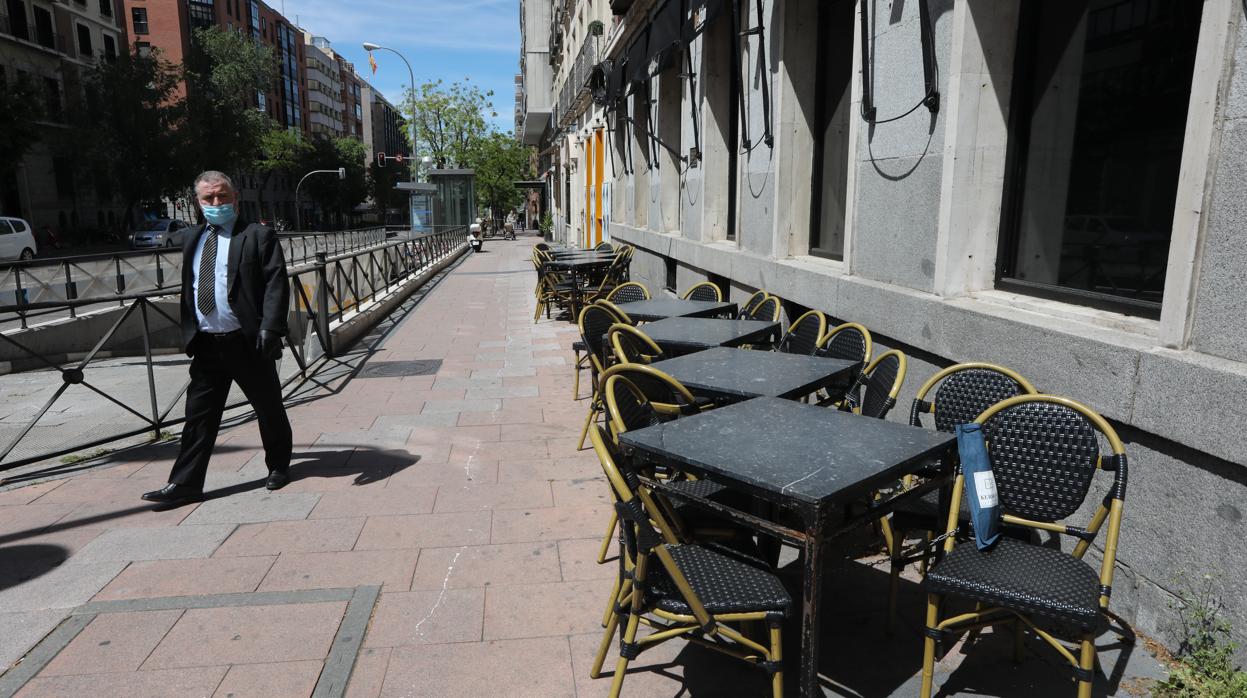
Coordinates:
[269,344]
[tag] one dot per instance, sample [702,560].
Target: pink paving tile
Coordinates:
[581,492]
[29,519]
[187,578]
[198,681]
[456,435]
[503,416]
[541,610]
[277,537]
[425,531]
[373,502]
[516,525]
[391,568]
[517,495]
[469,470]
[28,493]
[249,635]
[527,432]
[578,558]
[369,673]
[539,668]
[559,469]
[503,450]
[657,672]
[282,680]
[424,617]
[487,565]
[113,642]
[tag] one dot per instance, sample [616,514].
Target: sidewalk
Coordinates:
[439,539]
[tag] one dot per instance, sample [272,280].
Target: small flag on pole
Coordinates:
[372,62]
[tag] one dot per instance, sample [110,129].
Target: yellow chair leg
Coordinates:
[606,540]
[621,666]
[584,431]
[576,374]
[611,624]
[928,647]
[777,656]
[1087,662]
[614,599]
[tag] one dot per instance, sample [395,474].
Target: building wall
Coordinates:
[922,209]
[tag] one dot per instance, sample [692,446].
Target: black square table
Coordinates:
[660,308]
[724,373]
[682,335]
[809,460]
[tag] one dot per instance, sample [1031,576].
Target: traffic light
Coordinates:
[380,159]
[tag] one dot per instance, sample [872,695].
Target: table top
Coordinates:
[684,334]
[741,374]
[580,262]
[791,452]
[659,308]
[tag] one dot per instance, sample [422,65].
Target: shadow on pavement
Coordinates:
[21,563]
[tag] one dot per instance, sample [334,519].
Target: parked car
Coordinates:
[162,232]
[17,241]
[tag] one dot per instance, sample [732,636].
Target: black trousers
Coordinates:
[218,361]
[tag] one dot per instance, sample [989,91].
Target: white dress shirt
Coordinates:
[221,319]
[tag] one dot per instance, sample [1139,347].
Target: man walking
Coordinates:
[234,304]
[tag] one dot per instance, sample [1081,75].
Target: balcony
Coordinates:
[575,91]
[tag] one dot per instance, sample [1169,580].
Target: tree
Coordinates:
[133,128]
[381,181]
[282,151]
[330,193]
[21,107]
[225,71]
[499,161]
[448,120]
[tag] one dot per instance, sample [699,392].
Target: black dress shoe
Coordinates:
[277,479]
[174,494]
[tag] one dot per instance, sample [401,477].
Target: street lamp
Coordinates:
[370,47]
[298,210]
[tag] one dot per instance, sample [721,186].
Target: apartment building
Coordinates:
[1055,187]
[53,46]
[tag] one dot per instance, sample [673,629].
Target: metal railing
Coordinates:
[576,86]
[107,395]
[115,276]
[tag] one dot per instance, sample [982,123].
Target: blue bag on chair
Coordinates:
[980,484]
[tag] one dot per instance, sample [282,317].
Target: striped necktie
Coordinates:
[206,294]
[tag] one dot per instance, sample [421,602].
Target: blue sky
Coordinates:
[478,40]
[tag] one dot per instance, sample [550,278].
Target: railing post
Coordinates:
[322,303]
[71,290]
[20,293]
[121,280]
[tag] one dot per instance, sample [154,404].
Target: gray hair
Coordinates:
[212,176]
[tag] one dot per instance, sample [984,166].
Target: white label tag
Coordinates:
[985,488]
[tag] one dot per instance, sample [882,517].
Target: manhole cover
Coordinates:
[395,369]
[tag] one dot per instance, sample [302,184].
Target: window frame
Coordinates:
[135,14]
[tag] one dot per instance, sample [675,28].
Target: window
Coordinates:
[143,49]
[1099,116]
[139,17]
[84,42]
[834,75]
[202,13]
[110,48]
[52,98]
[43,28]
[670,280]
[106,8]
[17,20]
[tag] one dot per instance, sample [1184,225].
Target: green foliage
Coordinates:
[331,193]
[1206,666]
[21,106]
[133,127]
[499,161]
[224,71]
[546,225]
[448,120]
[381,181]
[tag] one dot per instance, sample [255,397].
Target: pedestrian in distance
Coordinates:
[234,304]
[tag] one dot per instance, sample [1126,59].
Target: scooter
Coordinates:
[473,238]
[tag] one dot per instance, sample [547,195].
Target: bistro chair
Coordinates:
[594,322]
[878,385]
[578,346]
[1045,454]
[682,589]
[704,291]
[955,395]
[631,345]
[848,342]
[542,246]
[746,308]
[803,335]
[628,292]
[766,310]
[604,246]
[668,396]
[553,291]
[615,310]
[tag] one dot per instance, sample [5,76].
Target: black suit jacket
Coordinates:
[259,293]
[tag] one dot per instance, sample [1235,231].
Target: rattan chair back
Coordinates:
[604,246]
[803,335]
[767,310]
[849,342]
[882,382]
[704,291]
[960,393]
[627,408]
[750,303]
[620,315]
[632,345]
[628,292]
[668,396]
[594,322]
[543,246]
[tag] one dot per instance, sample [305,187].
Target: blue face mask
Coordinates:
[220,215]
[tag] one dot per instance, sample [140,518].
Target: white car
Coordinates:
[16,240]
[162,232]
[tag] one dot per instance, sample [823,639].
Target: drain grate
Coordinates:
[397,369]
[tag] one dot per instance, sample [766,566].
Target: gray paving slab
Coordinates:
[389,437]
[254,507]
[66,586]
[164,543]
[500,391]
[21,630]
[409,421]
[435,406]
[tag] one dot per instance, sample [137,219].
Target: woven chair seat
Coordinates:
[579,345]
[723,584]
[1036,580]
